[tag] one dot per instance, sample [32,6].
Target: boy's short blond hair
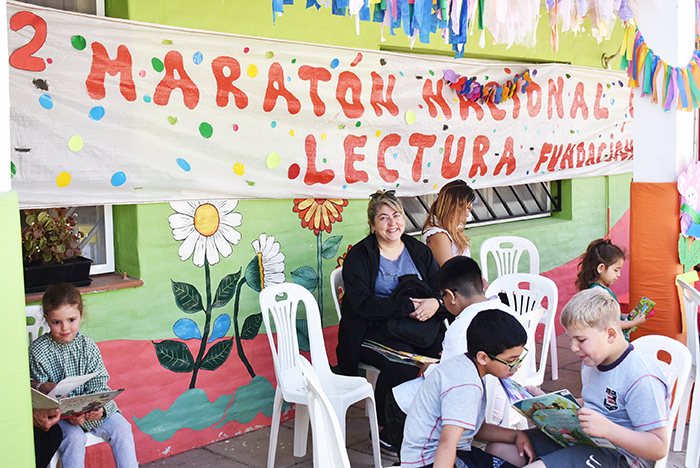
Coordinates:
[591,308]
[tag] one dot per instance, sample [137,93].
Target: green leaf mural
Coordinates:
[305,276]
[187,297]
[217,355]
[174,356]
[330,247]
[251,326]
[226,290]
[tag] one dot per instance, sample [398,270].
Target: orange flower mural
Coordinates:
[318,214]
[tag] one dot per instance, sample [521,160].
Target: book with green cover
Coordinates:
[645,307]
[399,356]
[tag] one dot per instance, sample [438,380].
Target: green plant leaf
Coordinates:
[174,356]
[217,355]
[688,252]
[226,289]
[303,335]
[305,276]
[330,247]
[251,327]
[187,297]
[252,274]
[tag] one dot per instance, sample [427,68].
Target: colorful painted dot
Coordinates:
[345,187]
[291,133]
[273,124]
[246,50]
[420,106]
[358,59]
[289,78]
[252,70]
[294,60]
[167,42]
[440,117]
[206,130]
[507,70]
[441,150]
[172,120]
[142,73]
[78,42]
[146,98]
[334,63]
[273,160]
[157,64]
[293,171]
[401,73]
[184,165]
[49,60]
[239,169]
[358,123]
[97,112]
[118,179]
[396,155]
[250,183]
[235,127]
[63,179]
[46,101]
[428,164]
[612,101]
[269,54]
[378,133]
[432,73]
[75,143]
[341,126]
[325,160]
[323,136]
[13,169]
[197,58]
[410,117]
[455,99]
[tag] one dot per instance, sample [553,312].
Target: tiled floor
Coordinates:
[250,450]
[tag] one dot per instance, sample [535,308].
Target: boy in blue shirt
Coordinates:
[448,411]
[624,394]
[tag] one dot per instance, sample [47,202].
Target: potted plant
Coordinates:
[51,249]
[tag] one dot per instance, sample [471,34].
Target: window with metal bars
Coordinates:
[494,205]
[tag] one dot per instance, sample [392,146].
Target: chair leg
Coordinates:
[274,428]
[371,377]
[682,416]
[374,429]
[554,358]
[301,429]
[692,454]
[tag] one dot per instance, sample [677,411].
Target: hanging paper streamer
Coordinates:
[474,91]
[680,86]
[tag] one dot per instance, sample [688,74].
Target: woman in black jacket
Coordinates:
[371,273]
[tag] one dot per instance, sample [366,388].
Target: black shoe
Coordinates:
[385,445]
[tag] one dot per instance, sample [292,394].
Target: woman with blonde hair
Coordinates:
[443,230]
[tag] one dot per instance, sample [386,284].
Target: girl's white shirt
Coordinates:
[455,248]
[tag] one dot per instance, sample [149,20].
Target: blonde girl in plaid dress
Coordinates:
[65,352]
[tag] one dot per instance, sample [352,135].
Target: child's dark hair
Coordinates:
[599,251]
[59,295]
[494,331]
[461,274]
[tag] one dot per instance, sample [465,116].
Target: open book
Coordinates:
[72,406]
[645,308]
[555,414]
[399,356]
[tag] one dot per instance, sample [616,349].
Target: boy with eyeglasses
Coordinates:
[624,394]
[448,411]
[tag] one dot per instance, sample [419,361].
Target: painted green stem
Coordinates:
[207,325]
[319,259]
[236,331]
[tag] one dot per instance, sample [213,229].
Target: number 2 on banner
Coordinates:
[23,58]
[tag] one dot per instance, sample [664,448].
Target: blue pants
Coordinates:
[116,430]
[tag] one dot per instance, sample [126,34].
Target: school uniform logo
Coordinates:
[610,399]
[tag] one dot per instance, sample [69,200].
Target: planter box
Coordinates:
[39,276]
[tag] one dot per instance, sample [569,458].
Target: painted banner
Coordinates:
[113,111]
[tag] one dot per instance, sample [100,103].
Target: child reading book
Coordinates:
[599,267]
[624,394]
[448,412]
[65,352]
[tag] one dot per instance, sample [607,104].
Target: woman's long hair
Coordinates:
[449,211]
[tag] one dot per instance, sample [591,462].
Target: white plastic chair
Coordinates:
[677,373]
[38,327]
[342,391]
[336,281]
[691,302]
[328,441]
[525,293]
[512,418]
[507,252]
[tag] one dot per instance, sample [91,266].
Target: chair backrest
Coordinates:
[328,439]
[527,292]
[336,281]
[691,301]
[284,314]
[676,372]
[507,252]
[38,325]
[528,368]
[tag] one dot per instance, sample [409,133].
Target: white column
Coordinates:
[663,141]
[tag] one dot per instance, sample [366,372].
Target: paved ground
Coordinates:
[250,450]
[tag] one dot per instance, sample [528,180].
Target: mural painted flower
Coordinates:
[206,229]
[270,262]
[319,213]
[341,259]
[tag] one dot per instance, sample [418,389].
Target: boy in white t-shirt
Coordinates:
[624,393]
[448,411]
